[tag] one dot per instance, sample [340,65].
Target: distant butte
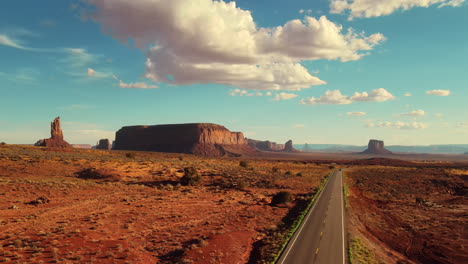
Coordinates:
[271,146]
[104,144]
[376,147]
[204,139]
[56,137]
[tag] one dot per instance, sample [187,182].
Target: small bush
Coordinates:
[190,177]
[274,169]
[130,155]
[242,185]
[299,174]
[288,173]
[92,173]
[3,143]
[281,198]
[244,164]
[420,200]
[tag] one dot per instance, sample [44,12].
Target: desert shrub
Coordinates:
[242,185]
[92,173]
[288,173]
[190,177]
[274,169]
[3,143]
[130,155]
[299,174]
[281,198]
[420,200]
[244,164]
[331,167]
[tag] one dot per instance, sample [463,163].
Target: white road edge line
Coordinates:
[342,218]
[305,221]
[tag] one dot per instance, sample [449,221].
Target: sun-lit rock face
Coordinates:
[56,137]
[265,145]
[197,138]
[376,147]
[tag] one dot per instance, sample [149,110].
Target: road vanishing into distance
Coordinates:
[320,238]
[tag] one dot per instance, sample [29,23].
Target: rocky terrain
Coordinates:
[198,138]
[408,215]
[91,206]
[376,147]
[56,137]
[104,144]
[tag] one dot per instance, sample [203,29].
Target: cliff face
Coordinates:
[376,147]
[288,147]
[104,144]
[265,145]
[56,137]
[198,138]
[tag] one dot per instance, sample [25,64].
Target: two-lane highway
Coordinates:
[320,238]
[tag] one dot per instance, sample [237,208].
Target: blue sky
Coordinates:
[100,65]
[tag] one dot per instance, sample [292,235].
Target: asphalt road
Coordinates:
[320,238]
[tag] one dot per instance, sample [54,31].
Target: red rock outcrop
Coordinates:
[376,147]
[104,144]
[56,137]
[265,145]
[198,138]
[288,147]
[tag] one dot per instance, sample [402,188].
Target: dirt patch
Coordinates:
[409,214]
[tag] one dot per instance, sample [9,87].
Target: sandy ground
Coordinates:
[410,215]
[138,212]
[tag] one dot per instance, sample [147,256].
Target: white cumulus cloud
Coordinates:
[408,94]
[206,41]
[284,96]
[242,92]
[336,97]
[402,125]
[136,85]
[415,113]
[375,8]
[356,113]
[439,92]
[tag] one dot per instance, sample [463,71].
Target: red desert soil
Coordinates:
[410,215]
[91,206]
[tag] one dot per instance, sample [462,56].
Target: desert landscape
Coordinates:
[93,206]
[229,203]
[233,132]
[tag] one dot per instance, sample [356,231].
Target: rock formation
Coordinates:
[288,147]
[198,138]
[104,144]
[376,147]
[56,137]
[265,145]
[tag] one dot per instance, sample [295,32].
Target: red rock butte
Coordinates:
[376,147]
[197,138]
[56,137]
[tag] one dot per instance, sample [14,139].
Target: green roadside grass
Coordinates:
[359,253]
